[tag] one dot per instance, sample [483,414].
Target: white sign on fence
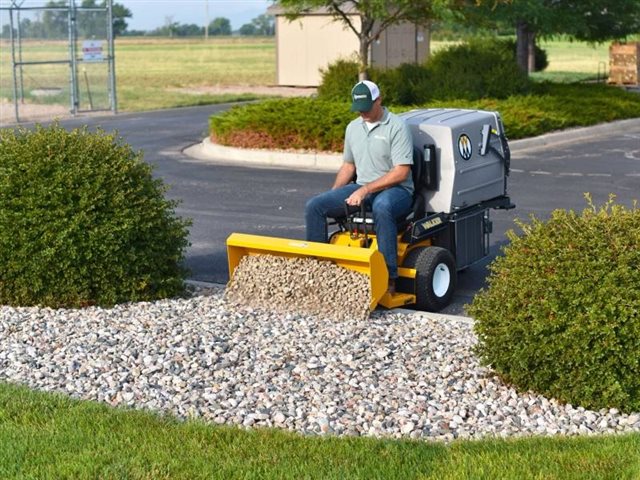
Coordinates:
[92,51]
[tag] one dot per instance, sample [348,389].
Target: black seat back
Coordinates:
[417,172]
[424,178]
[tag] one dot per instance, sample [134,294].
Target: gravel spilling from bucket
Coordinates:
[300,285]
[392,374]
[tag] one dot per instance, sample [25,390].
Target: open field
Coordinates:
[154,73]
[150,73]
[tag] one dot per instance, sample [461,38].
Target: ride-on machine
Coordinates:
[461,164]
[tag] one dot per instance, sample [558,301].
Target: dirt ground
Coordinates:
[255,89]
[30,112]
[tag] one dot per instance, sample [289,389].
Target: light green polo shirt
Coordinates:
[374,152]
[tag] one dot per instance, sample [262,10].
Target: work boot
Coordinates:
[391,289]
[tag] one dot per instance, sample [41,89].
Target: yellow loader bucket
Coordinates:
[364,260]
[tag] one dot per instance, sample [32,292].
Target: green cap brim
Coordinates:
[363,105]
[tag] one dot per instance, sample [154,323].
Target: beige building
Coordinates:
[315,40]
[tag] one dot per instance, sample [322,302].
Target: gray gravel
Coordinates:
[392,375]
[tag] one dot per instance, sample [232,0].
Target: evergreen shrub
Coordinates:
[293,123]
[83,222]
[407,84]
[319,125]
[561,313]
[474,70]
[337,80]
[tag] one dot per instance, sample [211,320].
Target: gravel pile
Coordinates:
[393,375]
[300,286]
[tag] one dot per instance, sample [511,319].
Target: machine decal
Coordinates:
[464,146]
[434,222]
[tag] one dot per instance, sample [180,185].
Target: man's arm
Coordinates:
[395,176]
[344,175]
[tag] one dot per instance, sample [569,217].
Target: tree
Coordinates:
[261,25]
[55,21]
[586,20]
[265,25]
[119,13]
[248,29]
[220,26]
[369,18]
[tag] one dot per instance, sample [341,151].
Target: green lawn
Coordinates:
[574,61]
[150,73]
[51,436]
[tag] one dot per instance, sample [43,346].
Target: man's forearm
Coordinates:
[344,175]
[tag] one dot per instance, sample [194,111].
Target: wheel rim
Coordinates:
[441,280]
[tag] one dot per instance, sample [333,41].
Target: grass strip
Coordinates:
[44,435]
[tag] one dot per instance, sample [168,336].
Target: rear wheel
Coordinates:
[435,279]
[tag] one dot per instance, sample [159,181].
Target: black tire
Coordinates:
[435,280]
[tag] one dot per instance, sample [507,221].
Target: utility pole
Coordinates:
[206,19]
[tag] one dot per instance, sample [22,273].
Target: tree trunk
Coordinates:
[522,42]
[364,59]
[531,52]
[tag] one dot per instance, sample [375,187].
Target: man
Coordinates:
[379,150]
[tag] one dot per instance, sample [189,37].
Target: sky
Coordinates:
[150,14]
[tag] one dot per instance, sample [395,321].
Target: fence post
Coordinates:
[13,62]
[112,56]
[73,57]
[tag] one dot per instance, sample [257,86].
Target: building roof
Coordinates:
[349,9]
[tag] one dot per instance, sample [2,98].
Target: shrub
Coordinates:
[475,70]
[83,222]
[319,125]
[337,80]
[561,314]
[299,123]
[408,84]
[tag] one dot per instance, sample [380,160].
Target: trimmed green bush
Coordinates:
[561,313]
[319,125]
[407,84]
[298,123]
[474,70]
[337,80]
[83,222]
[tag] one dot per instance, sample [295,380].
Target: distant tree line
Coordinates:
[54,24]
[263,25]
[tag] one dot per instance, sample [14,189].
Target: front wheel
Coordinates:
[435,279]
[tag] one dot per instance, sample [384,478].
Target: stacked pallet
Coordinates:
[624,63]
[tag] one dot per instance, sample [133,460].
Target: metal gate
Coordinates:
[60,54]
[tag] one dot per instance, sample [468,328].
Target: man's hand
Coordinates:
[357,198]
[395,176]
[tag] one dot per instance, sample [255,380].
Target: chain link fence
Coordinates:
[55,59]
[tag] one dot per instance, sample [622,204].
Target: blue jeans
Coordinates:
[389,207]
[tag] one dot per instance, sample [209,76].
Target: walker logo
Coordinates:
[464,146]
[92,51]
